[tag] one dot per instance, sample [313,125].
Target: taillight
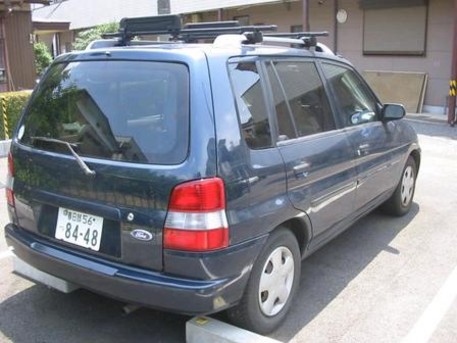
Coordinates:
[10,164]
[9,187]
[196,219]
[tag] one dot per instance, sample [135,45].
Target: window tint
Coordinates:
[251,104]
[356,103]
[121,110]
[298,89]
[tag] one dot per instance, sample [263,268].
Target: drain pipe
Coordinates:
[305,16]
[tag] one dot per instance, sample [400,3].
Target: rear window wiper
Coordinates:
[70,147]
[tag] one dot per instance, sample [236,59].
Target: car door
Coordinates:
[373,141]
[321,177]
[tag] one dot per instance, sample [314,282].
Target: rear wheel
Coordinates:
[400,202]
[273,282]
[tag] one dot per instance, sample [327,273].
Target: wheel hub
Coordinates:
[276,281]
[407,186]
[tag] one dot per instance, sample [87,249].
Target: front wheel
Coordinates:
[401,200]
[273,282]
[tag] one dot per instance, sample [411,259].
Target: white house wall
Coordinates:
[190,6]
[89,13]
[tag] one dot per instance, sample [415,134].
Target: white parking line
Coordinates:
[5,254]
[436,310]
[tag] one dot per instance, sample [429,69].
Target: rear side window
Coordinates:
[300,99]
[250,101]
[121,110]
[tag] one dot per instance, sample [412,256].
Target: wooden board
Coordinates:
[407,88]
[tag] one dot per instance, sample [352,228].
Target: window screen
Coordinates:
[395,31]
[250,102]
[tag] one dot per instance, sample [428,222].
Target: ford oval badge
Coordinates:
[142,235]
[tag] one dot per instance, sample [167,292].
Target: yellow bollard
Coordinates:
[5,118]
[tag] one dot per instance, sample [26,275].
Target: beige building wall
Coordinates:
[436,62]
[349,41]
[284,15]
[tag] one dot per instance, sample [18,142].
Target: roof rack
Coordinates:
[222,32]
[171,25]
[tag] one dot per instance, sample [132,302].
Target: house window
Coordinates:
[296,28]
[242,19]
[394,27]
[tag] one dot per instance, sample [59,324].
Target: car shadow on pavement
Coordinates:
[42,315]
[326,273]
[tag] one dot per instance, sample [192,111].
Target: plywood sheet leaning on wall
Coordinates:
[407,88]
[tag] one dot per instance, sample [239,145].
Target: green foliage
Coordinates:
[15,103]
[43,57]
[83,38]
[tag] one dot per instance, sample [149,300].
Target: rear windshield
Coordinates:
[120,110]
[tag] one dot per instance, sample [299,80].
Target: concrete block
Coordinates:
[29,272]
[209,330]
[5,148]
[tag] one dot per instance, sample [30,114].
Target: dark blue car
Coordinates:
[194,178]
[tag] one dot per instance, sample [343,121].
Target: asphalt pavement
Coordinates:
[383,280]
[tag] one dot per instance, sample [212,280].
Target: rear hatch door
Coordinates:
[128,123]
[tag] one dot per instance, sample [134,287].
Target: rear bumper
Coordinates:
[129,284]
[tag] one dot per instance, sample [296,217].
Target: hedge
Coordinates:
[15,103]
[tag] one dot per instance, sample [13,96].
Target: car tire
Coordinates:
[401,200]
[272,284]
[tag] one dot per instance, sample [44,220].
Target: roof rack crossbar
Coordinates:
[300,34]
[193,34]
[307,39]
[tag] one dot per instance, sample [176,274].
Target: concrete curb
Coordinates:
[5,148]
[209,330]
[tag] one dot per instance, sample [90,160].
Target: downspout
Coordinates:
[6,60]
[452,94]
[305,16]
[220,14]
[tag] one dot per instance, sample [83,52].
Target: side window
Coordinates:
[356,103]
[302,107]
[250,101]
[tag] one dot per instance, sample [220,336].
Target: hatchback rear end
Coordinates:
[108,188]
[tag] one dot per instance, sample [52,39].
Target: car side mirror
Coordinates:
[392,112]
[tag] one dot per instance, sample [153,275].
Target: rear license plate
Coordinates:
[79,228]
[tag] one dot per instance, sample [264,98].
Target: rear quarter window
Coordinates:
[136,111]
[251,106]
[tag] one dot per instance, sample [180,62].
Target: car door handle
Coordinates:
[363,149]
[301,170]
[251,180]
